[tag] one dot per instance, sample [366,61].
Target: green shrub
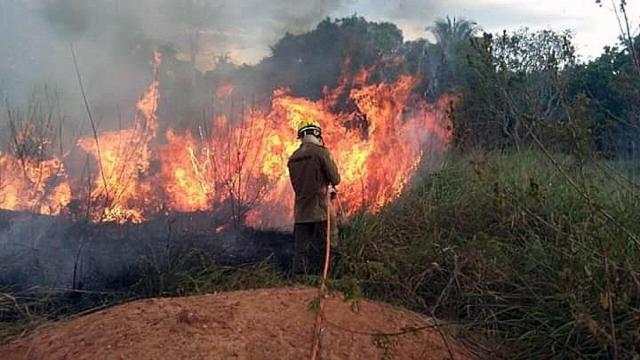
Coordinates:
[541,254]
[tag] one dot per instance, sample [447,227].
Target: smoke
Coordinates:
[114,41]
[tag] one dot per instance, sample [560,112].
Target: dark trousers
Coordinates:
[309,248]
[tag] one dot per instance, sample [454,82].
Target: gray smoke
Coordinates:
[114,41]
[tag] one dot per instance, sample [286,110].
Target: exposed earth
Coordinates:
[252,324]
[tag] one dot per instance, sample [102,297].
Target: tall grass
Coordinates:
[540,257]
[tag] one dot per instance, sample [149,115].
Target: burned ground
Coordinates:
[53,252]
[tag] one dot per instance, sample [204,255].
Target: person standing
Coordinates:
[313,175]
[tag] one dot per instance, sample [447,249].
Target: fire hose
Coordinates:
[322,291]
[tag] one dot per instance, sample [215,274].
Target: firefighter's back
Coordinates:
[309,182]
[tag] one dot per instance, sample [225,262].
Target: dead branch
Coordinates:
[93,124]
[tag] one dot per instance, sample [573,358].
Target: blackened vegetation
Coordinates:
[52,267]
[49,251]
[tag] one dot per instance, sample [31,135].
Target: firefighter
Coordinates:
[314,176]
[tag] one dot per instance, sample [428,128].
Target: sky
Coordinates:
[110,35]
[594,26]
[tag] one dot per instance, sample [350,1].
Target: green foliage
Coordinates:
[185,273]
[443,63]
[512,88]
[314,305]
[611,85]
[449,32]
[525,52]
[522,85]
[506,244]
[180,274]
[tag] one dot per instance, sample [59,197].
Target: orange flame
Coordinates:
[377,150]
[120,191]
[37,186]
[240,166]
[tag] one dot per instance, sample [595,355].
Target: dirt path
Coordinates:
[256,324]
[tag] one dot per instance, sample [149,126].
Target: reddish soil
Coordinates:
[257,324]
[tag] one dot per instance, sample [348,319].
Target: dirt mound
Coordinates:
[257,324]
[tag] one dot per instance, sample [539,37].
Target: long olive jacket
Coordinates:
[311,170]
